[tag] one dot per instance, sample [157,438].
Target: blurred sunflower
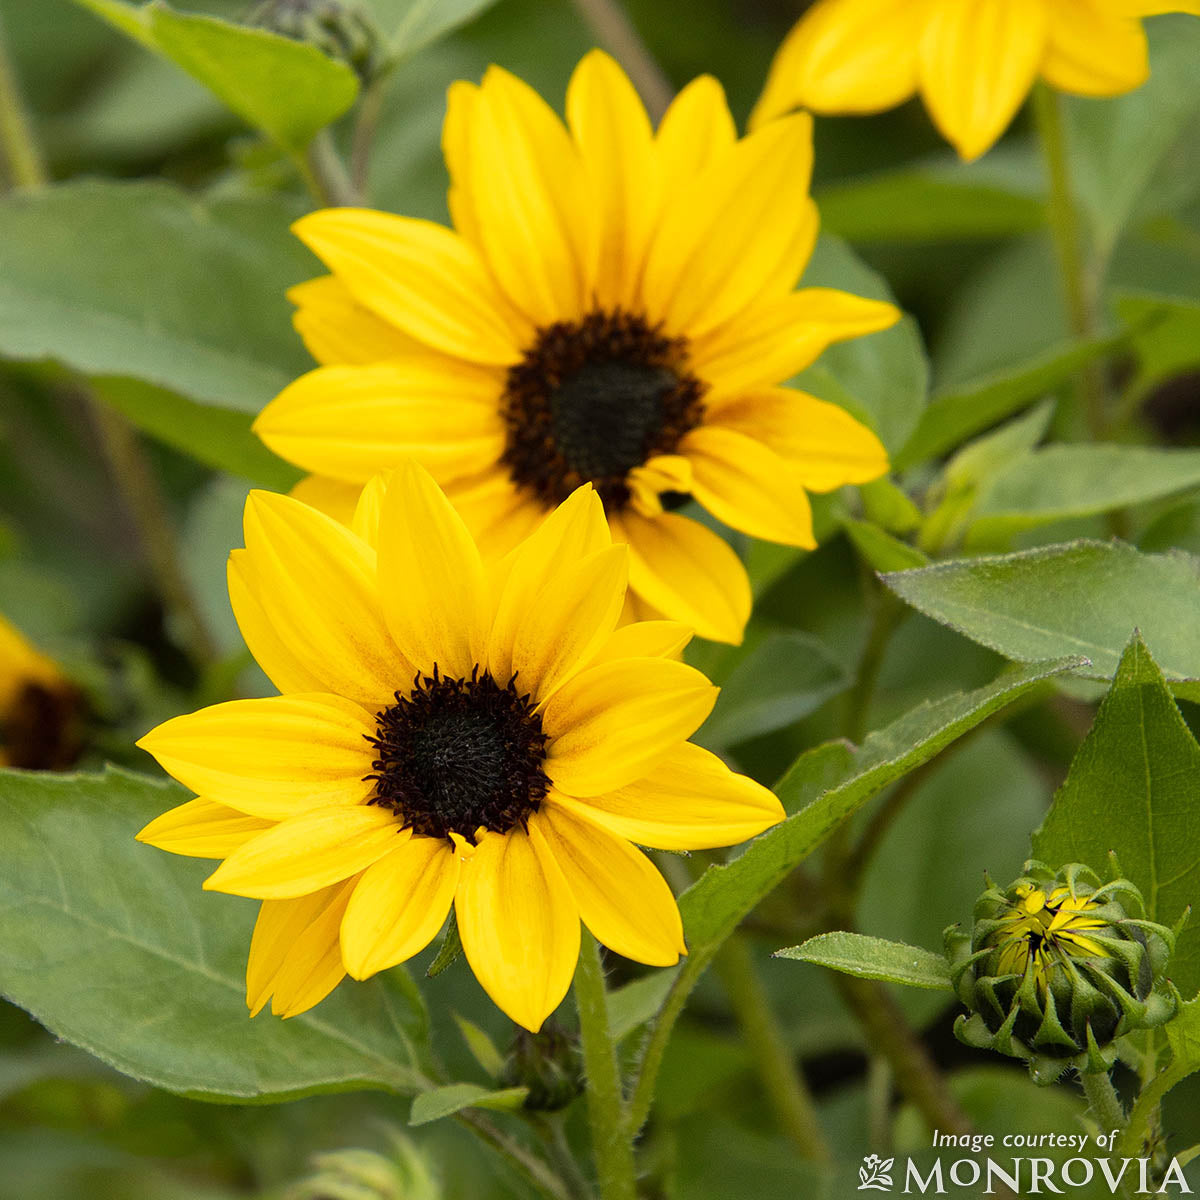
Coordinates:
[615,305]
[449,732]
[40,709]
[972,61]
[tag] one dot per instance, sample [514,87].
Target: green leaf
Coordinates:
[1080,598]
[955,413]
[1059,482]
[1168,341]
[1132,790]
[882,378]
[411,25]
[286,88]
[723,895]
[139,279]
[454,1097]
[874,958]
[786,677]
[482,1048]
[880,550]
[113,946]
[218,437]
[1121,148]
[926,204]
[1183,1035]
[448,952]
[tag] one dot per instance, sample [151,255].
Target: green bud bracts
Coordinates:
[548,1063]
[336,27]
[1058,968]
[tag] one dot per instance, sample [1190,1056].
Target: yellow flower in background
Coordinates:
[450,732]
[615,305]
[39,707]
[972,61]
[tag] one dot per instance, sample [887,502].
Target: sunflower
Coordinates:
[615,305]
[40,708]
[972,61]
[449,732]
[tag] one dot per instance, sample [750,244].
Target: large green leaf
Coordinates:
[926,204]
[1081,598]
[955,413]
[286,88]
[882,378]
[1133,790]
[139,279]
[874,958]
[714,905]
[113,946]
[1058,482]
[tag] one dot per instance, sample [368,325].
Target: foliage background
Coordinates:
[965,251]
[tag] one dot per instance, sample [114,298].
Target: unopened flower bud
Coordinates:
[548,1064]
[336,27]
[1058,968]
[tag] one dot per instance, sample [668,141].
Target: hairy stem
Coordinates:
[531,1168]
[611,1142]
[1077,289]
[612,28]
[787,1092]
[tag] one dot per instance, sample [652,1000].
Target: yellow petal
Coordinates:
[317,592]
[622,899]
[687,572]
[1093,51]
[308,852]
[645,639]
[771,340]
[824,443]
[352,422]
[294,953]
[334,497]
[611,723]
[979,59]
[337,329]
[530,198]
[749,487]
[461,100]
[719,246]
[202,829]
[364,521]
[573,531]
[21,665]
[616,143]
[519,926]
[399,905]
[845,56]
[432,576]
[689,801]
[696,129]
[498,513]
[271,758]
[420,277]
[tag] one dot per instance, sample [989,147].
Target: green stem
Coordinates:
[789,1095]
[612,28]
[1104,1102]
[1145,1110]
[1065,228]
[325,174]
[528,1165]
[655,1046]
[550,1126]
[365,125]
[611,1142]
[21,152]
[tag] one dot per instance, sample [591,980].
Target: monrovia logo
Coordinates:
[1022,1176]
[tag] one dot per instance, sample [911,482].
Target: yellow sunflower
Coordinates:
[39,707]
[972,61]
[449,732]
[615,305]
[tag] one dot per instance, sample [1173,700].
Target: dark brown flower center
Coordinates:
[592,400]
[42,730]
[455,754]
